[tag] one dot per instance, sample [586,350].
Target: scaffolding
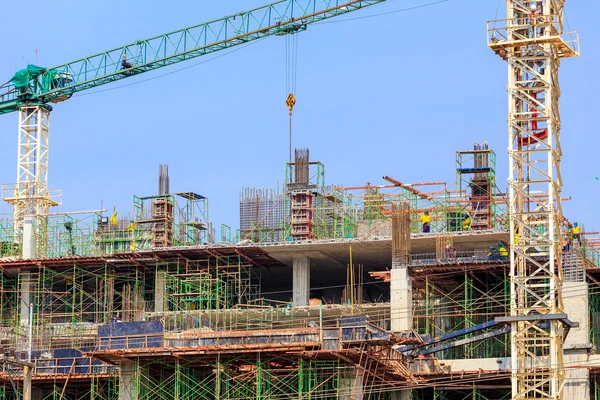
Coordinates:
[445,303]
[158,222]
[476,172]
[237,340]
[214,283]
[164,220]
[213,301]
[252,376]
[307,210]
[10,240]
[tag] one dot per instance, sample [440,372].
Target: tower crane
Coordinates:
[533,41]
[31,90]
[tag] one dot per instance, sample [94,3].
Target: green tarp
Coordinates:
[22,78]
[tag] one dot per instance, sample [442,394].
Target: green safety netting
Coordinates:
[22,78]
[49,79]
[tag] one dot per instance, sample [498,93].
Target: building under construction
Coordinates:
[326,292]
[430,290]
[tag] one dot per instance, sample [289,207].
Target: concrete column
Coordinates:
[577,347]
[400,309]
[127,387]
[27,382]
[25,296]
[352,386]
[401,395]
[301,281]
[400,299]
[160,289]
[29,244]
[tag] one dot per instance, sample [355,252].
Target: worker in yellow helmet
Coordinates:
[426,221]
[466,223]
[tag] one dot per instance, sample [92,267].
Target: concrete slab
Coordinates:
[375,253]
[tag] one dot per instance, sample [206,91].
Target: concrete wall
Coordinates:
[577,347]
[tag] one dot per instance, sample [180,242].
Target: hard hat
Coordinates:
[426,211]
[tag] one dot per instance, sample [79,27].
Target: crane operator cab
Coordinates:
[59,80]
[32,80]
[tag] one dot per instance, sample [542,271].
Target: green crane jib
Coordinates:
[43,85]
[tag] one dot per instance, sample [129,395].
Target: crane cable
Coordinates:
[291,64]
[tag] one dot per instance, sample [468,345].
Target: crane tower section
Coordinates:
[30,194]
[533,41]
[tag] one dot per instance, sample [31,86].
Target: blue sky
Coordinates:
[390,95]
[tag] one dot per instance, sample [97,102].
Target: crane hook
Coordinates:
[290,102]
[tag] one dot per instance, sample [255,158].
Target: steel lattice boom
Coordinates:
[533,41]
[279,18]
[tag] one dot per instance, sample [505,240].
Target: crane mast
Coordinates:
[30,194]
[31,89]
[533,41]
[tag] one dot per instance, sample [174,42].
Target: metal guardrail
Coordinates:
[71,366]
[544,27]
[131,342]
[458,257]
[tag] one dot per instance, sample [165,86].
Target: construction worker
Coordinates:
[570,235]
[566,246]
[493,253]
[536,16]
[124,63]
[450,251]
[502,252]
[426,221]
[466,223]
[577,232]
